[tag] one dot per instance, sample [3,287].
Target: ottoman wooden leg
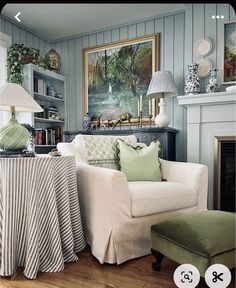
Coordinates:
[159,257]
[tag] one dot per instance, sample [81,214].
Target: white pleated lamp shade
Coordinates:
[12,94]
[162,85]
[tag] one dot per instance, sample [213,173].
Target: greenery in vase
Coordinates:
[18,55]
[32,132]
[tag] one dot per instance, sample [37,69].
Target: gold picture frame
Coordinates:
[117,74]
[229,67]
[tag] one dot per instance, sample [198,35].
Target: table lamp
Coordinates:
[13,136]
[162,85]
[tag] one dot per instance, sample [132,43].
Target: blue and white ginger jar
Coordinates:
[192,81]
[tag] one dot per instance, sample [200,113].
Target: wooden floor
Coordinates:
[89,273]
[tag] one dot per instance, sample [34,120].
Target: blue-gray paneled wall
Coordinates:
[178,33]
[20,35]
[171,29]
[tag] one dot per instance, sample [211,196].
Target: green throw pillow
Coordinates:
[139,163]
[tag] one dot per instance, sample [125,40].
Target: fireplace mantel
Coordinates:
[207,99]
[208,116]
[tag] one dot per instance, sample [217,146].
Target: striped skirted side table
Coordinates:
[40,222]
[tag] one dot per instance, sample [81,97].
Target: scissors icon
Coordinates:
[217,276]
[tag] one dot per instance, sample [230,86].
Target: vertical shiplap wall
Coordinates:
[20,35]
[172,39]
[178,33]
[199,24]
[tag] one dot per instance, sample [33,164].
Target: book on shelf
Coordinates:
[49,136]
[40,136]
[59,134]
[40,86]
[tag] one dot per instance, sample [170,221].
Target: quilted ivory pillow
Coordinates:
[140,163]
[100,150]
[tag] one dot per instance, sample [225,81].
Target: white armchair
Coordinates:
[117,214]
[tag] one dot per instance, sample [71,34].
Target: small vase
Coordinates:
[87,122]
[213,86]
[192,81]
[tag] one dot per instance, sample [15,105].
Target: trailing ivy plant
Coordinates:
[18,55]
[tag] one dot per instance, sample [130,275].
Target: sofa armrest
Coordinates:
[69,149]
[191,174]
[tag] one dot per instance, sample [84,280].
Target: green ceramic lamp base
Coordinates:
[14,136]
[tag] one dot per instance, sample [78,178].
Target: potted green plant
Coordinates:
[19,55]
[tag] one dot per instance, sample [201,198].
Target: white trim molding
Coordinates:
[208,116]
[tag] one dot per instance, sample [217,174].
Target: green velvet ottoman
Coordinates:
[200,239]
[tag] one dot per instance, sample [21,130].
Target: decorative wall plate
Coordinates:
[202,47]
[204,67]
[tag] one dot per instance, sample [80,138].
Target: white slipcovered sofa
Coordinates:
[117,215]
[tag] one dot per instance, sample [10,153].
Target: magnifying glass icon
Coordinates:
[186,276]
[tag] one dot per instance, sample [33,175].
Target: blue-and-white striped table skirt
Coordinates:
[40,222]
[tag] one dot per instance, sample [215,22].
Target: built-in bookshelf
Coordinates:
[49,90]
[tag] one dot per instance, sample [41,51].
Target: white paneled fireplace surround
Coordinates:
[211,119]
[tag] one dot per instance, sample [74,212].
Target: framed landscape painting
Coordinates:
[117,77]
[229,71]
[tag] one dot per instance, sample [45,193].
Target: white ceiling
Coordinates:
[57,21]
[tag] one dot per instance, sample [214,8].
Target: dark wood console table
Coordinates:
[145,135]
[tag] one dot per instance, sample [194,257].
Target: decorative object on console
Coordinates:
[14,98]
[213,86]
[87,122]
[123,117]
[53,60]
[162,85]
[192,82]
